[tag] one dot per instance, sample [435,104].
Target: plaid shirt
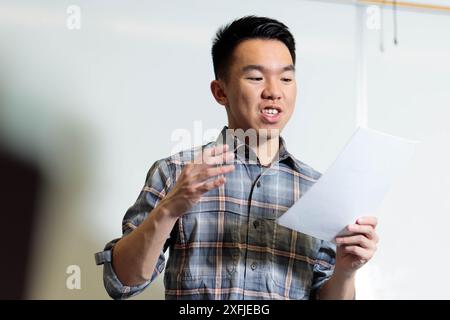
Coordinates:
[229,246]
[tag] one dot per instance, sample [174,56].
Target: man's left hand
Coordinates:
[356,249]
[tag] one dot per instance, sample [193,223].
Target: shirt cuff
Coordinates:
[114,287]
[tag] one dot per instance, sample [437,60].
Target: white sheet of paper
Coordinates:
[353,186]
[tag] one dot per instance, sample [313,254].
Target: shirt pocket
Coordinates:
[210,238]
[293,256]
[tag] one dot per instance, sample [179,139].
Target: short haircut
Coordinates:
[249,27]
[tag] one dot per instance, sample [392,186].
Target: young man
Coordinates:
[218,219]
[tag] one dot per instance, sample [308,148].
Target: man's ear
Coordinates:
[217,89]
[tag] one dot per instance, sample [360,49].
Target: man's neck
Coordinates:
[266,146]
[267,149]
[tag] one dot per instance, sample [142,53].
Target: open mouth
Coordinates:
[271,114]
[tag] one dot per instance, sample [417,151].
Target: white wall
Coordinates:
[408,95]
[96,107]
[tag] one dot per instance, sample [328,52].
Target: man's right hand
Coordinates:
[192,182]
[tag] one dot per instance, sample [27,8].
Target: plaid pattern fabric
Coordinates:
[228,246]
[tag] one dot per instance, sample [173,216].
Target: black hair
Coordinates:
[249,27]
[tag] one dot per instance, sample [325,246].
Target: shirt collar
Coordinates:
[234,143]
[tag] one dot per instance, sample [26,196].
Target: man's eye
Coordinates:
[256,79]
[286,79]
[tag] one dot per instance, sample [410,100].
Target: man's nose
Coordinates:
[272,90]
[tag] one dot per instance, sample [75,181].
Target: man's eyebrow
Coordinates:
[261,68]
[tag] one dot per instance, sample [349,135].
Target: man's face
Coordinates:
[260,90]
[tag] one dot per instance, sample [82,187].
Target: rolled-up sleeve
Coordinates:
[323,267]
[157,185]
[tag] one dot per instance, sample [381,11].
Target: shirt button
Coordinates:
[256,224]
[253,266]
[258,184]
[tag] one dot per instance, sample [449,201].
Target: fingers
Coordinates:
[213,171]
[361,244]
[207,186]
[226,157]
[209,152]
[212,155]
[217,155]
[204,186]
[359,240]
[366,230]
[203,168]
[361,253]
[214,151]
[371,221]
